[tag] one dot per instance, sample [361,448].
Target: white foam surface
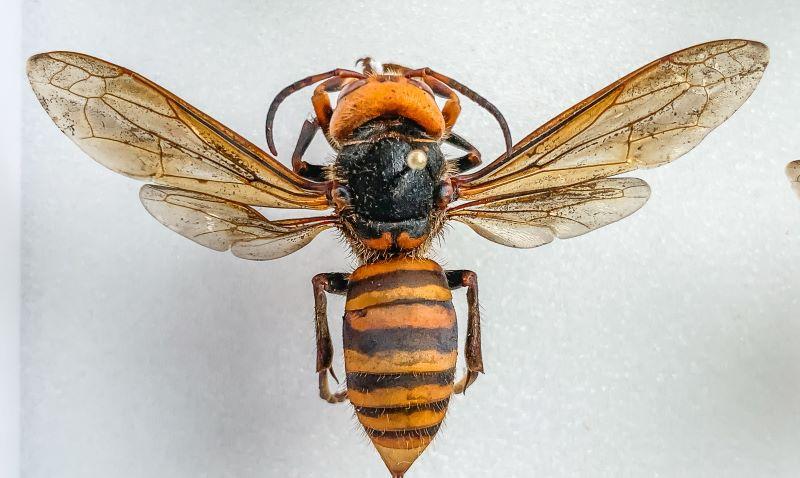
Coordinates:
[10,288]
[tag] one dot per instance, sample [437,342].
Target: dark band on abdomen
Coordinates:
[407,339]
[407,433]
[369,382]
[377,412]
[393,279]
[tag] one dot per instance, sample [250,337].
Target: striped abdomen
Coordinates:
[400,340]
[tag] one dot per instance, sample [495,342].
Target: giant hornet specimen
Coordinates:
[389,192]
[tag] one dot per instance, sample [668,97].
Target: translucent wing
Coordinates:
[648,118]
[136,128]
[224,225]
[793,171]
[535,219]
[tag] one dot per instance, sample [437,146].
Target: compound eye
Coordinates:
[340,198]
[417,159]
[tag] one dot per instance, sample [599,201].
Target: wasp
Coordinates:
[389,192]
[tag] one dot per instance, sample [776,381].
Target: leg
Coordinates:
[322,102]
[366,65]
[296,86]
[459,87]
[469,160]
[334,283]
[452,107]
[472,349]
[314,172]
[323,110]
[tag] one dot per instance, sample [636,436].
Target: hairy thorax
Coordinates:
[391,205]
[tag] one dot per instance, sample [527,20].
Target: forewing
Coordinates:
[136,128]
[224,225]
[536,219]
[646,119]
[793,171]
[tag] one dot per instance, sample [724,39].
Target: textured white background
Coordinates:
[664,345]
[10,129]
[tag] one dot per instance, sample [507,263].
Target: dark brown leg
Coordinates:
[314,172]
[472,348]
[334,283]
[323,110]
[322,102]
[452,107]
[366,65]
[469,160]
[469,93]
[296,86]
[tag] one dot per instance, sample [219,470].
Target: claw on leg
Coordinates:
[472,349]
[325,391]
[467,380]
[335,283]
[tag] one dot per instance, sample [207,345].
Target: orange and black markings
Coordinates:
[391,189]
[383,95]
[400,341]
[389,240]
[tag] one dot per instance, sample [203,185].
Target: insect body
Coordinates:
[390,183]
[390,190]
[400,339]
